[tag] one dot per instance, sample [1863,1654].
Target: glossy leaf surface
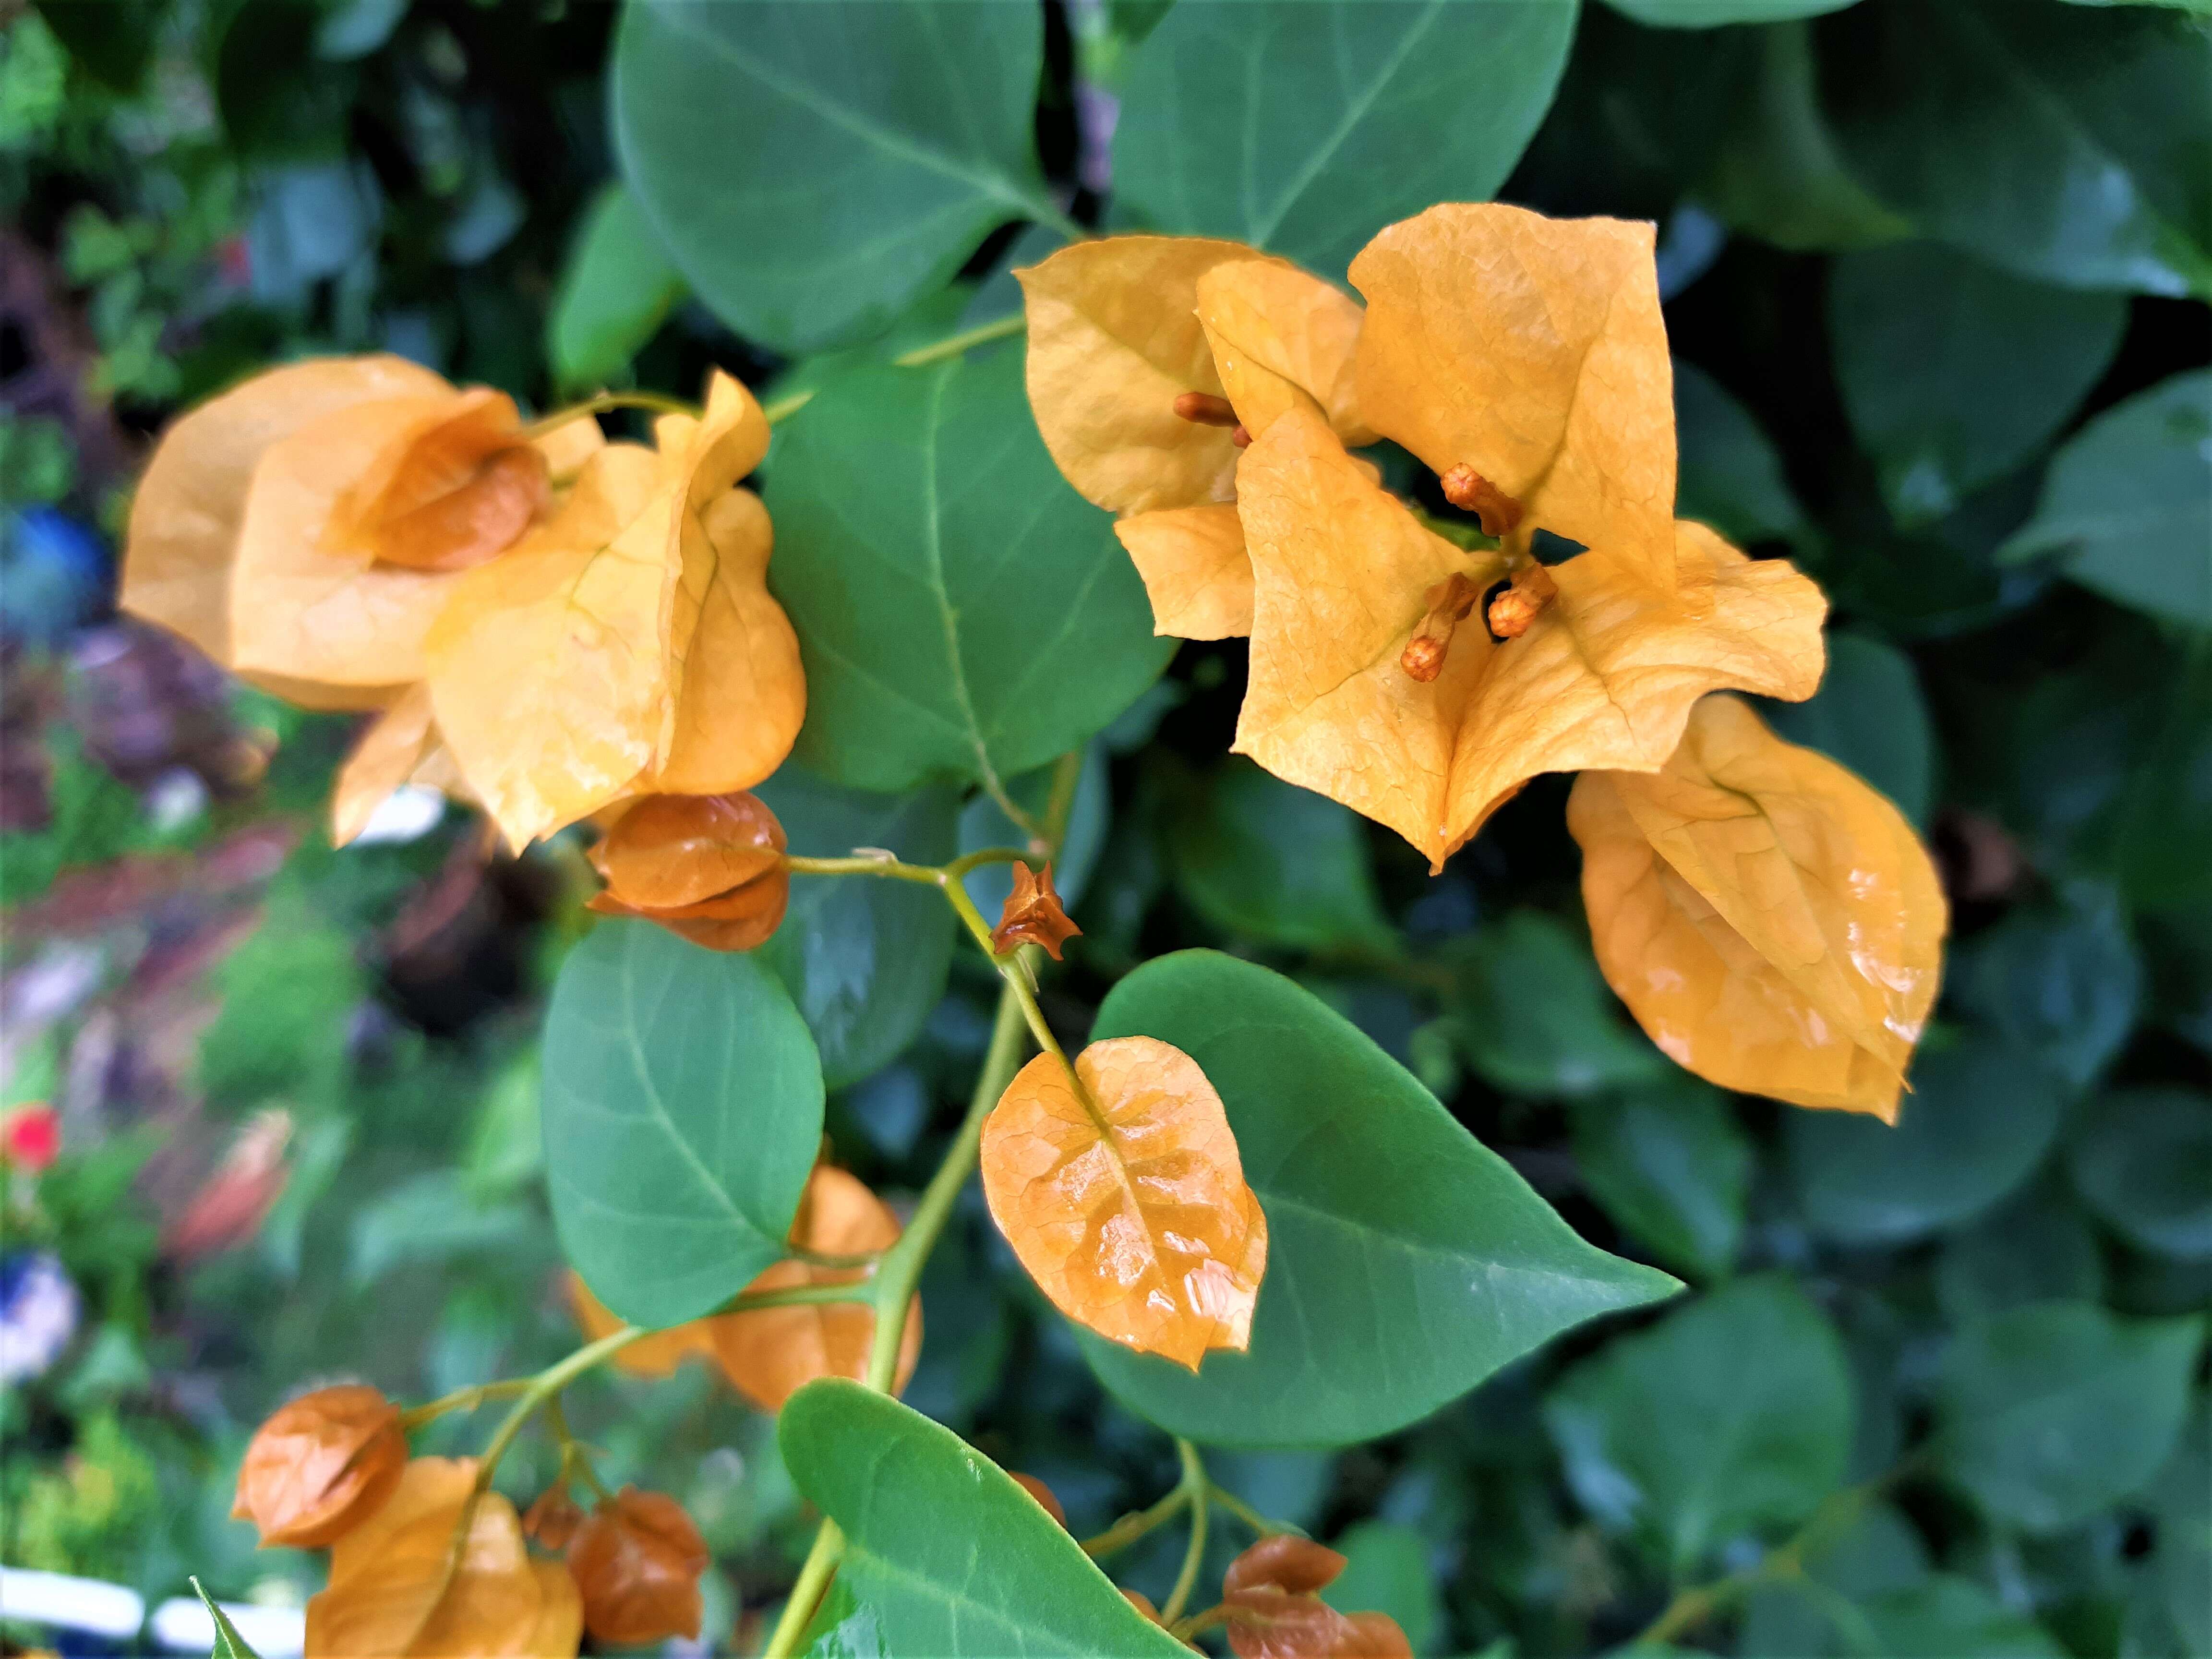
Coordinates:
[682,1109]
[943,1553]
[961,612]
[1405,1261]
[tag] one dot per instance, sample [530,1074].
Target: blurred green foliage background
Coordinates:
[1934,273]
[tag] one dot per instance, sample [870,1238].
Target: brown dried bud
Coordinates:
[1241,437]
[457,489]
[1204,408]
[709,868]
[637,1560]
[553,1519]
[1513,612]
[1469,491]
[1143,1603]
[1043,1494]
[1268,1596]
[320,1466]
[1033,914]
[1449,603]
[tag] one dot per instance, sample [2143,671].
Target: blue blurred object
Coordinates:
[38,1310]
[54,575]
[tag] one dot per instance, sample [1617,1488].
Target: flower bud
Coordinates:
[31,1137]
[709,868]
[322,1464]
[553,1519]
[637,1560]
[1273,1613]
[1033,916]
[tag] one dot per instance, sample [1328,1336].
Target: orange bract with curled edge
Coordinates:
[709,868]
[1032,914]
[1270,1594]
[1773,923]
[320,1466]
[636,1560]
[1125,1197]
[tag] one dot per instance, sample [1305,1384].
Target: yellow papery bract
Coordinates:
[1532,349]
[549,668]
[387,754]
[742,693]
[1195,569]
[305,602]
[1604,676]
[559,1631]
[391,1593]
[1282,338]
[1770,918]
[1129,1207]
[1112,340]
[191,504]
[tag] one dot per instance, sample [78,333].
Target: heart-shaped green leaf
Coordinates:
[943,1554]
[812,169]
[1405,1261]
[961,611]
[682,1107]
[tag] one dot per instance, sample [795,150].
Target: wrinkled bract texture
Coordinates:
[1770,920]
[1195,569]
[708,867]
[1032,914]
[1605,675]
[391,1594]
[320,1466]
[1270,1593]
[455,488]
[636,1561]
[770,1354]
[1533,351]
[1129,1209]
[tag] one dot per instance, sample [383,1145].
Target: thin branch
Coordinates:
[1194,1476]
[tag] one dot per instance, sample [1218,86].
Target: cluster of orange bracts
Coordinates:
[426,1561]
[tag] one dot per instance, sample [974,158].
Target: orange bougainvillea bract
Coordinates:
[636,1561]
[320,1466]
[1270,1594]
[1770,920]
[770,1353]
[709,868]
[1032,914]
[1121,1192]
[396,1588]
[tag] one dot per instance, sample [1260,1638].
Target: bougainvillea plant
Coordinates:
[1265,1229]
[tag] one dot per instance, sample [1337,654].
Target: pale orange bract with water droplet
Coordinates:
[1770,918]
[1603,676]
[1126,1200]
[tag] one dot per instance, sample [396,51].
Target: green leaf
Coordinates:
[683,1114]
[2062,981]
[2142,1158]
[1405,1261]
[228,1644]
[2048,1413]
[1304,126]
[2181,1501]
[616,289]
[1811,1615]
[2036,1247]
[1778,173]
[1267,860]
[943,1554]
[1731,1415]
[1929,358]
[863,958]
[2127,500]
[1730,476]
[813,169]
[1669,1165]
[432,1219]
[1979,1120]
[1532,1014]
[1712,14]
[962,613]
[1870,715]
[1386,1570]
[2064,145]
[1952,1618]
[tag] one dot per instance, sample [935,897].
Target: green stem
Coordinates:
[1693,1606]
[861,865]
[1138,1524]
[806,1594]
[831,1259]
[953,345]
[1250,1517]
[1193,1477]
[465,1400]
[796,1295]
[539,1388]
[600,406]
[575,1460]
